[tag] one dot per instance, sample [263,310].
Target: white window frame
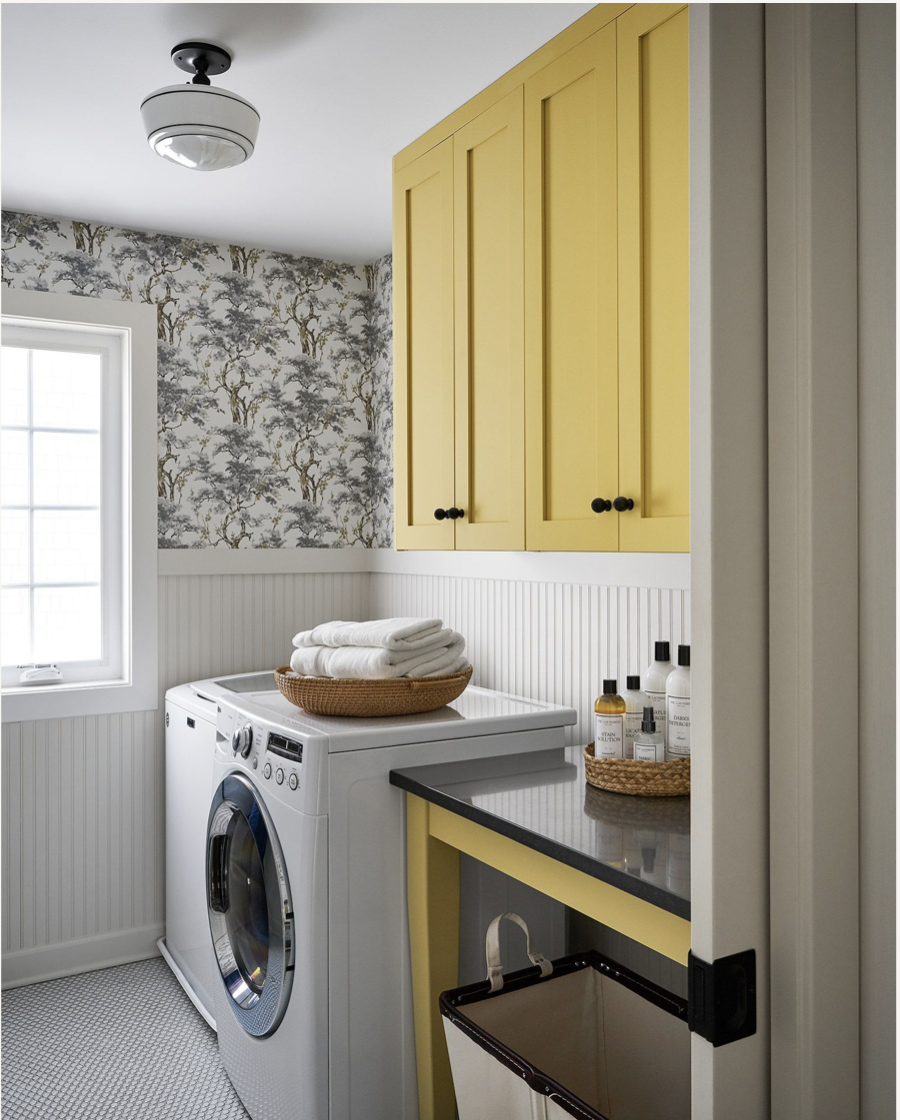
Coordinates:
[126,681]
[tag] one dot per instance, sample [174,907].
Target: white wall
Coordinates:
[83,825]
[547,640]
[876,169]
[83,799]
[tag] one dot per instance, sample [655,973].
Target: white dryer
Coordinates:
[306,890]
[190,746]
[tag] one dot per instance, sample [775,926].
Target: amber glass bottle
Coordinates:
[609,723]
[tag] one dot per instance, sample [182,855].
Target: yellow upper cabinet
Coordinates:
[541,301]
[570,298]
[654,309]
[487,199]
[423,349]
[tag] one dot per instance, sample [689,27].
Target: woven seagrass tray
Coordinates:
[343,696]
[640,779]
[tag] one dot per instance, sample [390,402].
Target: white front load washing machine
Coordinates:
[306,891]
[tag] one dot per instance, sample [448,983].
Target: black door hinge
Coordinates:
[722,997]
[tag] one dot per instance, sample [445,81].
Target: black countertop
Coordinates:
[641,845]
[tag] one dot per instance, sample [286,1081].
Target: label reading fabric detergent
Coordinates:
[608,736]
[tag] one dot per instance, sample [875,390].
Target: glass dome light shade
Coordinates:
[197,151]
[203,128]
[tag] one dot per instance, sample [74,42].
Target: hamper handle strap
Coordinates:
[492,950]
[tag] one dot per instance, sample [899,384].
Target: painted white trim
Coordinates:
[140,693]
[261,561]
[811,153]
[87,954]
[729,603]
[601,569]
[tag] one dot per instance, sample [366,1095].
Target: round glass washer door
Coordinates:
[248,898]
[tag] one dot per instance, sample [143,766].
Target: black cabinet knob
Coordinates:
[440,514]
[454,514]
[621,504]
[601,505]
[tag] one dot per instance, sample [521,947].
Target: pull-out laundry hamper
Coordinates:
[580,1037]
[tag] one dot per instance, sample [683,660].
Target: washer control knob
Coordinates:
[242,740]
[267,770]
[293,781]
[279,775]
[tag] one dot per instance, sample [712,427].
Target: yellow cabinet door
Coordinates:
[423,349]
[570,298]
[488,276]
[654,308]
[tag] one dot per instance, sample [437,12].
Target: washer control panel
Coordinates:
[285,760]
[291,749]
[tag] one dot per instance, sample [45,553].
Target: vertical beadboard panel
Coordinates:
[549,641]
[83,828]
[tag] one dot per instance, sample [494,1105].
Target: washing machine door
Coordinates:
[249,903]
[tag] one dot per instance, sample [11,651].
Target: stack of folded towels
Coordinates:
[382,649]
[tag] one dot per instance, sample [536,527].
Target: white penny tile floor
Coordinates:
[120,1044]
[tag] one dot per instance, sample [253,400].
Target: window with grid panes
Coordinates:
[62,547]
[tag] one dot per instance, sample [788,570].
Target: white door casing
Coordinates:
[729,556]
[813,534]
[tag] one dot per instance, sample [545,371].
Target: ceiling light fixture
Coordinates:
[196,125]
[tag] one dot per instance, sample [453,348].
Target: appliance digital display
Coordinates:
[287,748]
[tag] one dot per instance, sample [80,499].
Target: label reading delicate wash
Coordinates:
[632,725]
[678,740]
[608,737]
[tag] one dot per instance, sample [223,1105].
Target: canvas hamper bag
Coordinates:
[580,1036]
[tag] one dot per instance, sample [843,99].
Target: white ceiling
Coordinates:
[340,88]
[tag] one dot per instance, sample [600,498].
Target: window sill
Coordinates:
[81,698]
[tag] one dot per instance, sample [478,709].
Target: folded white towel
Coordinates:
[372,663]
[401,634]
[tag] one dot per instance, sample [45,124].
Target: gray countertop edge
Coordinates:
[596,868]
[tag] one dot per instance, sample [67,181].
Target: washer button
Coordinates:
[255,761]
[293,781]
[267,770]
[279,775]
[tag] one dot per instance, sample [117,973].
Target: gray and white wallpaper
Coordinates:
[274,379]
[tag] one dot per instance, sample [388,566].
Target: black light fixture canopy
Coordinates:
[201,60]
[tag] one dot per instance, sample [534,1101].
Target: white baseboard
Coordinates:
[67,958]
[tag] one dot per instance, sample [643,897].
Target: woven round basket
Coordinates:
[344,696]
[641,779]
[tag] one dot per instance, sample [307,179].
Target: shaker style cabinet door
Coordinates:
[423,350]
[654,310]
[488,263]
[571,408]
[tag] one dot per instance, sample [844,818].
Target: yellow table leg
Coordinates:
[432,872]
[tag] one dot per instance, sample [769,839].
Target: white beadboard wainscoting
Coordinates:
[83,828]
[83,798]
[548,641]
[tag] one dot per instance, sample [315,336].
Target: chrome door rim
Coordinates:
[259,1010]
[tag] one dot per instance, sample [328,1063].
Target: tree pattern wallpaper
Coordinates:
[274,379]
